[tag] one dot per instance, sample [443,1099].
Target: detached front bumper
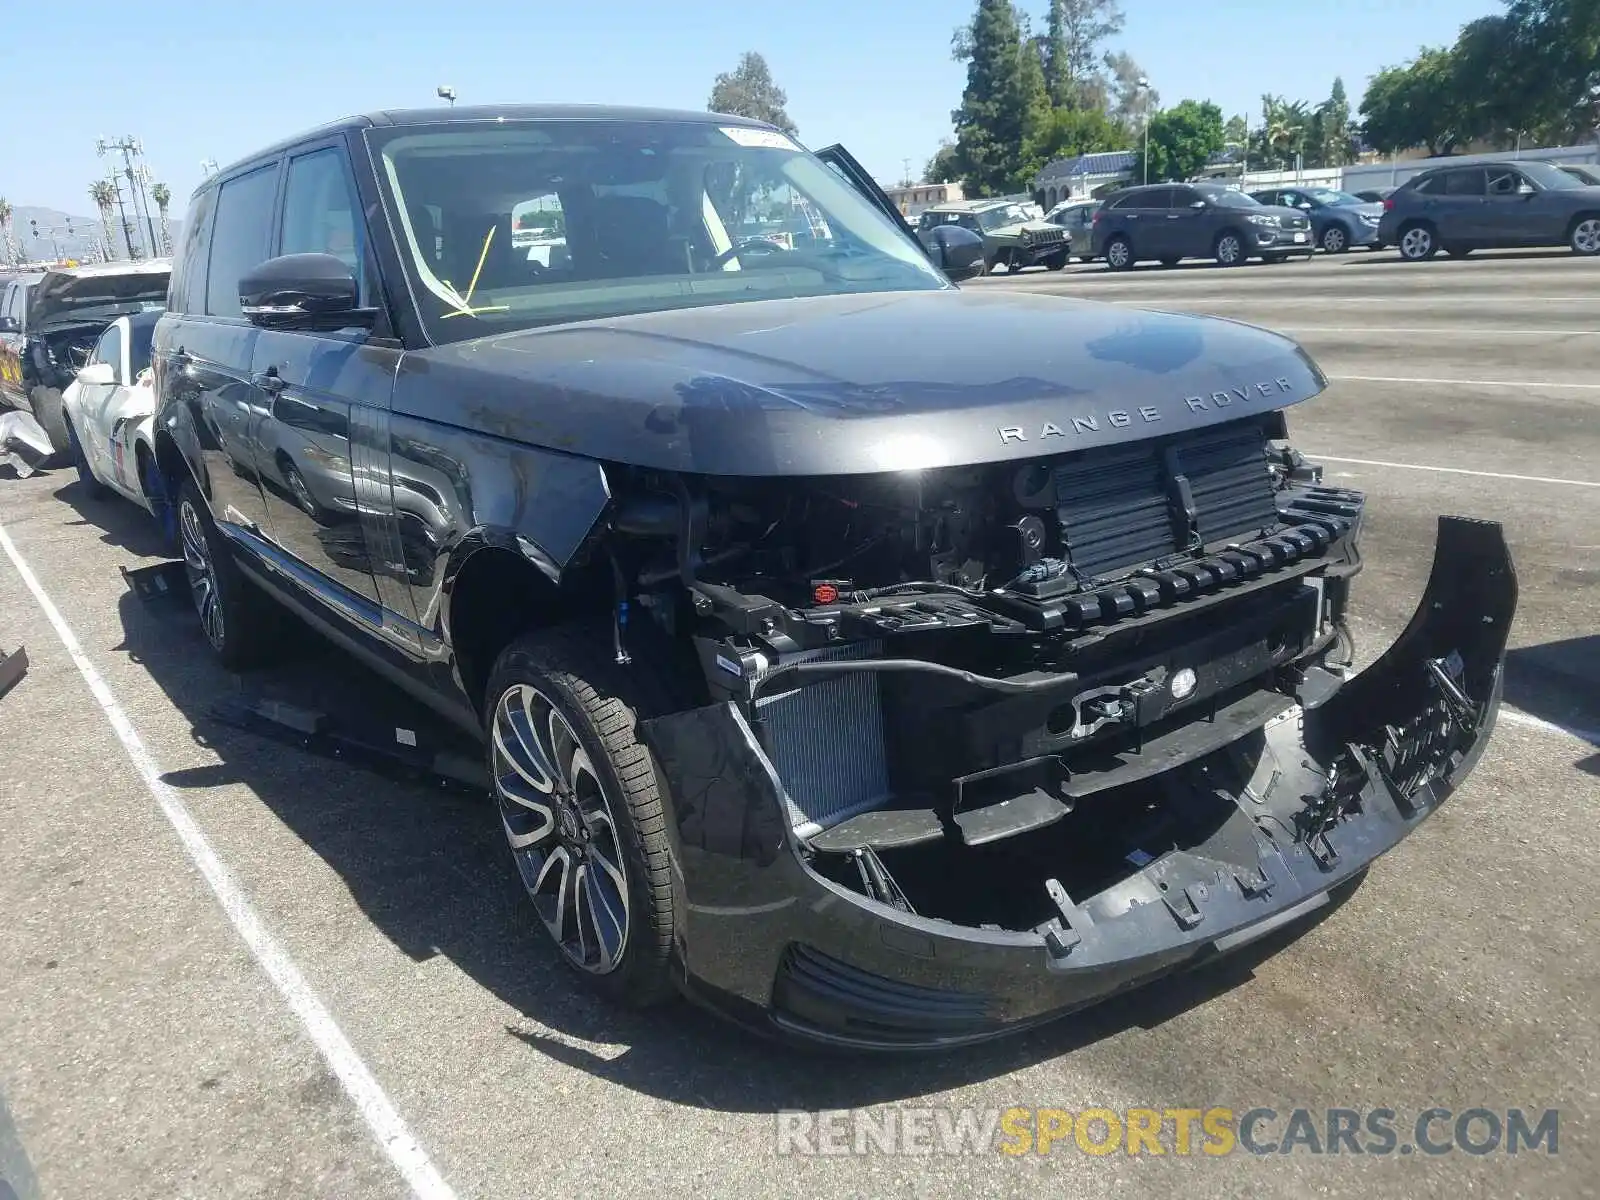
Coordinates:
[1327,788]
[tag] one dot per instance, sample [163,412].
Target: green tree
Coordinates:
[1004,102]
[1418,104]
[1075,32]
[1331,143]
[1129,104]
[941,167]
[1181,139]
[1550,62]
[1235,131]
[1068,132]
[749,91]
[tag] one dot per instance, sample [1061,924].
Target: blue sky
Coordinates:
[197,79]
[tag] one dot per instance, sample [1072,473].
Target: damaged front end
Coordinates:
[921,815]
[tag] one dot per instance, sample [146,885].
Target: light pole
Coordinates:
[447,93]
[1143,85]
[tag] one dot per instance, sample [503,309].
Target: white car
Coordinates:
[110,411]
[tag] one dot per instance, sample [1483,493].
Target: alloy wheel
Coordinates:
[1333,240]
[561,829]
[1586,237]
[302,493]
[202,573]
[1117,255]
[1416,243]
[1229,249]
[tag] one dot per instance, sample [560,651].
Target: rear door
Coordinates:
[1187,229]
[1460,209]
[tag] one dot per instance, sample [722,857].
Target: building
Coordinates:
[913,198]
[1083,177]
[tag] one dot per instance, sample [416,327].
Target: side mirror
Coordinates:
[958,252]
[10,325]
[1197,204]
[96,375]
[1304,205]
[303,291]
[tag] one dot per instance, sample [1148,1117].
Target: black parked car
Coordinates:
[1459,209]
[1173,221]
[1338,219]
[881,663]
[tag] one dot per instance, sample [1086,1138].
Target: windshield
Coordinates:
[1329,196]
[1582,174]
[1549,176]
[517,224]
[1010,214]
[1228,198]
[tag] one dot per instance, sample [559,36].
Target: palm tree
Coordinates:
[105,199]
[162,195]
[5,230]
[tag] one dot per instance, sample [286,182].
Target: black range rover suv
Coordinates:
[878,662]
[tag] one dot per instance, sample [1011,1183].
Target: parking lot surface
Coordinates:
[228,968]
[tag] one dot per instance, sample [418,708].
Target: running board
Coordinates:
[411,755]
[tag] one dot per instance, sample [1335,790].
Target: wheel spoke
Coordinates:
[609,929]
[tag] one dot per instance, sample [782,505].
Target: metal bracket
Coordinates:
[13,667]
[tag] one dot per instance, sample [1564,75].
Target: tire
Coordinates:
[304,500]
[237,618]
[1417,242]
[1119,254]
[988,265]
[1057,262]
[1335,240]
[1585,236]
[92,487]
[1230,249]
[159,499]
[562,721]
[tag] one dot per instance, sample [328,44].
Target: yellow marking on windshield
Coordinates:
[464,303]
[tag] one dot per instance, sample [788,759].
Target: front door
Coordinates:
[1516,213]
[844,164]
[309,387]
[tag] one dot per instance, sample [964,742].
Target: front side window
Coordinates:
[320,213]
[140,337]
[241,224]
[524,223]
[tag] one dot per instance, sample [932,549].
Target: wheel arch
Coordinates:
[1578,218]
[497,585]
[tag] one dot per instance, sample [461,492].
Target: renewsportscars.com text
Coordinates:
[1212,1132]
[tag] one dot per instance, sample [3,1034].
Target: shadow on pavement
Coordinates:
[121,522]
[430,869]
[1559,682]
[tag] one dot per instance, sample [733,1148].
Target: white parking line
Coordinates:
[1511,383]
[377,1110]
[1379,462]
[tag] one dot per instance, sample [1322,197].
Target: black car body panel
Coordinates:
[853,384]
[946,587]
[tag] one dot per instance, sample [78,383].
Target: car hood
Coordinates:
[858,383]
[62,299]
[1364,209]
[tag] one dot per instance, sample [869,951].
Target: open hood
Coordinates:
[839,385]
[98,294]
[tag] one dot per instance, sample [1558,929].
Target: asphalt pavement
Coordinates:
[230,969]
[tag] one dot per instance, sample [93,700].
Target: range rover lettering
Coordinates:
[879,662]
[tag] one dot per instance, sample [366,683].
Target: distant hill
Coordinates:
[84,232]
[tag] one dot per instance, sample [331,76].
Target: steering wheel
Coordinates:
[756,247]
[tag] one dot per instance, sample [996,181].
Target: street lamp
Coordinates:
[1143,85]
[446,92]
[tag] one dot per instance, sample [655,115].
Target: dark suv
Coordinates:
[880,662]
[1483,205]
[1173,221]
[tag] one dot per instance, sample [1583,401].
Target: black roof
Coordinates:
[450,115]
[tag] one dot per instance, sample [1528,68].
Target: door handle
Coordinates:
[268,381]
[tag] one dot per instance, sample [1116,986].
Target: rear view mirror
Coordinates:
[958,252]
[96,374]
[10,325]
[303,291]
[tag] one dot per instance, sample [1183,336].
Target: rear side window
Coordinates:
[1464,183]
[239,236]
[139,348]
[1432,185]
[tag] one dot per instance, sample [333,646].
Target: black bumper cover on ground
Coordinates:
[768,941]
